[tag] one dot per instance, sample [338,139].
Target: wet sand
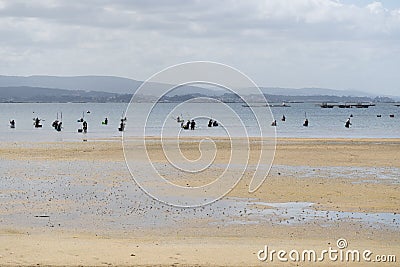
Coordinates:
[75,204]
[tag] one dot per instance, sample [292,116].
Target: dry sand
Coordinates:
[203,243]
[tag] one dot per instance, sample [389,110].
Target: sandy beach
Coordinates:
[75,203]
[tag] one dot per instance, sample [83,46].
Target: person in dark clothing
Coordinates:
[37,123]
[348,123]
[12,124]
[283,118]
[122,125]
[210,123]
[186,127]
[192,125]
[305,124]
[59,127]
[55,124]
[85,126]
[215,123]
[273,123]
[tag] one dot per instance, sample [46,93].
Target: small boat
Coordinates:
[363,105]
[283,105]
[326,105]
[252,106]
[344,106]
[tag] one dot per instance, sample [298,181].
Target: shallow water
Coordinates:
[324,123]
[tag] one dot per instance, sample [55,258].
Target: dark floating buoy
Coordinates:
[351,115]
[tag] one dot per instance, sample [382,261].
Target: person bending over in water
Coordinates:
[186,126]
[305,124]
[348,123]
[37,123]
[273,123]
[179,119]
[215,123]
[59,126]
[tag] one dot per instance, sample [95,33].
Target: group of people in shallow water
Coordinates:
[212,123]
[305,123]
[57,124]
[191,124]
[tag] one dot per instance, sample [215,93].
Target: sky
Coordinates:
[337,44]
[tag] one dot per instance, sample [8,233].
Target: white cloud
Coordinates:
[282,42]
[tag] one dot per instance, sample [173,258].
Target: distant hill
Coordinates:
[117,89]
[40,94]
[108,84]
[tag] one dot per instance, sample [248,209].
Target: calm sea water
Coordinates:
[324,123]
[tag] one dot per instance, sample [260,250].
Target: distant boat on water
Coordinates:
[268,105]
[283,105]
[364,105]
[346,105]
[326,105]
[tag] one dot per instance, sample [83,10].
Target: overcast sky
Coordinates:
[343,44]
